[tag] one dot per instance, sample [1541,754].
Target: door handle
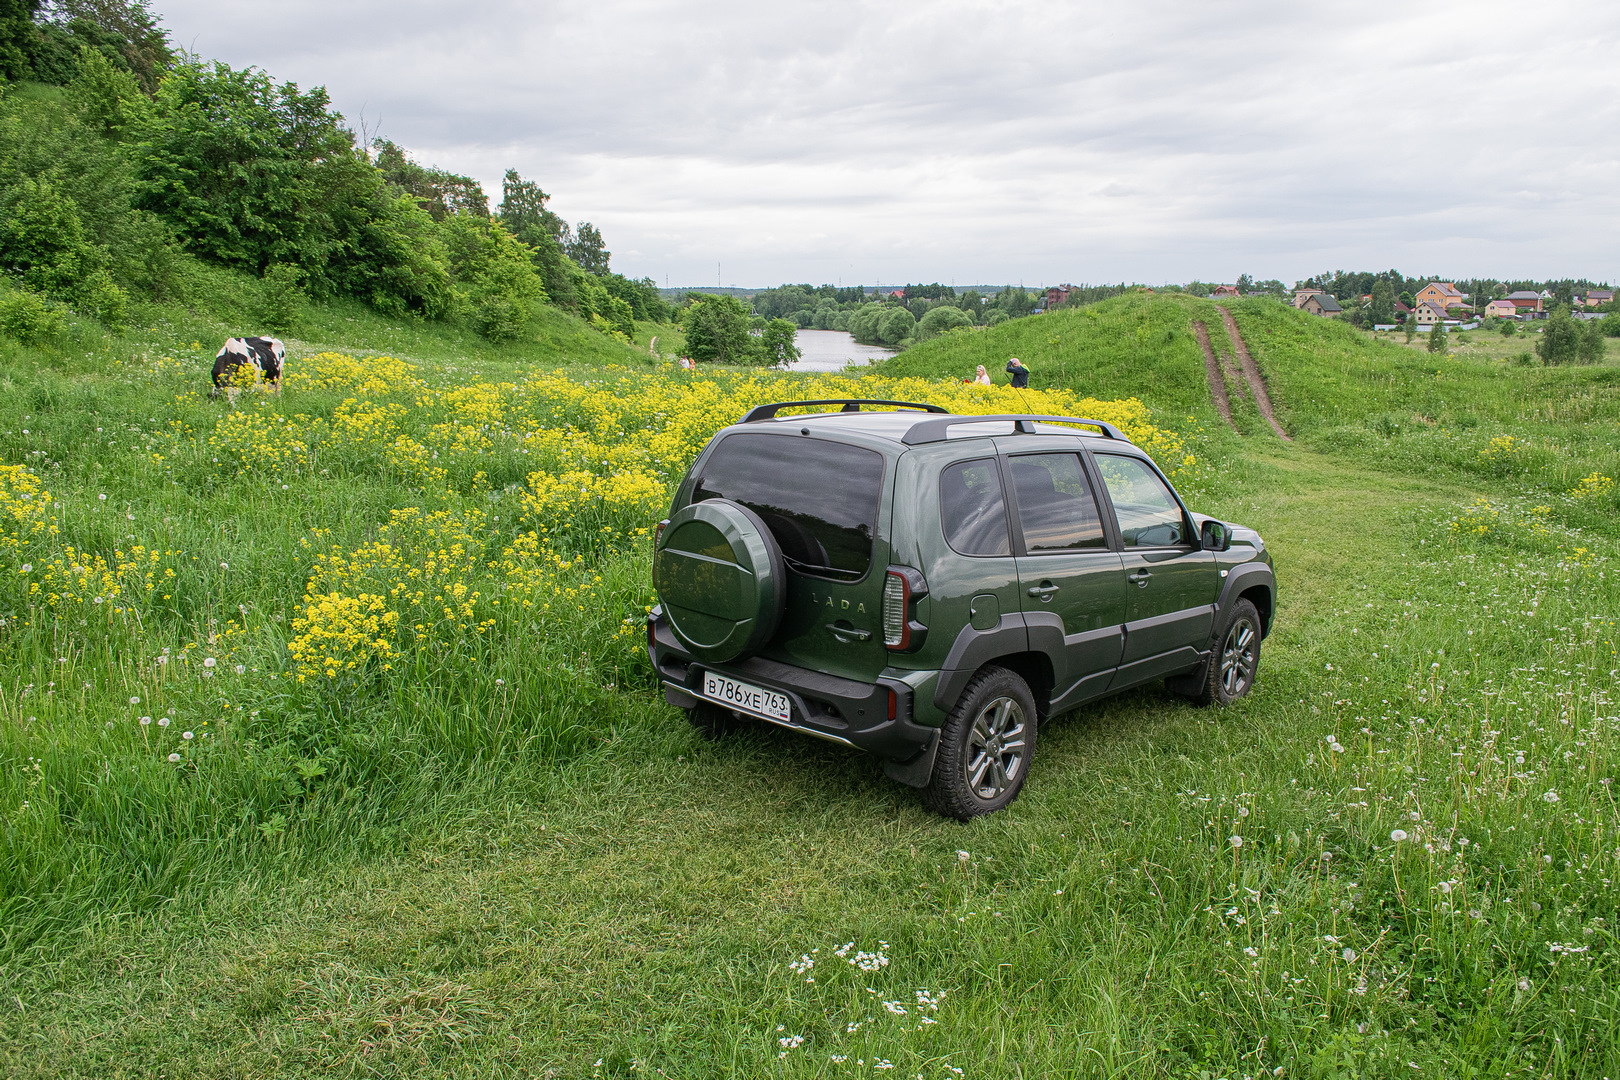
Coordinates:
[848,634]
[1044,592]
[1140,577]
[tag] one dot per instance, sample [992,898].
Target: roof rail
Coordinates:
[768,412]
[928,431]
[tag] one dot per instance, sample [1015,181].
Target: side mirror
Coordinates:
[1216,536]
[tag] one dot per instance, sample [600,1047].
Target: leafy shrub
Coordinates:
[30,319]
[281,296]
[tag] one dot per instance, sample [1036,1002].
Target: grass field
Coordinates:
[501,855]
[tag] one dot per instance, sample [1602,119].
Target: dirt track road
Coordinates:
[1251,375]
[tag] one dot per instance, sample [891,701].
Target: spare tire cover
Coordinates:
[720,577]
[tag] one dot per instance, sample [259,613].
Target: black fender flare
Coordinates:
[1240,580]
[972,649]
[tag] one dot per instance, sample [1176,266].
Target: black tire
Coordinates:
[712,721]
[1231,669]
[985,747]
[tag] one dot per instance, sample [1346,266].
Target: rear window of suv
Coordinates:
[818,498]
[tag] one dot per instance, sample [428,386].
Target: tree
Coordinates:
[941,320]
[1561,341]
[252,174]
[896,327]
[1245,284]
[1589,350]
[588,250]
[523,212]
[1563,293]
[16,35]
[124,31]
[493,273]
[1382,308]
[1507,328]
[778,343]
[717,330]
[1437,338]
[440,193]
[1409,327]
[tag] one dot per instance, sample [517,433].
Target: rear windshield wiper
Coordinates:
[816,568]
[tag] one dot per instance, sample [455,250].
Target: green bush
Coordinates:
[942,320]
[281,297]
[30,319]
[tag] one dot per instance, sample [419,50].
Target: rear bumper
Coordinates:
[875,717]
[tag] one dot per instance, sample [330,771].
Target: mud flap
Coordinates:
[917,770]
[678,697]
[1191,684]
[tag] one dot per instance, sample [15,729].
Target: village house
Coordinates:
[1430,314]
[1225,290]
[1594,297]
[1301,295]
[1057,296]
[1525,300]
[1320,303]
[1502,309]
[1442,294]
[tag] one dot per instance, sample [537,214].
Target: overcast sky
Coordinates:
[995,142]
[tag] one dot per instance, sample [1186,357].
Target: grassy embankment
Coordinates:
[623,893]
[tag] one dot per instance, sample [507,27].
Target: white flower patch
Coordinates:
[895,1007]
[802,965]
[869,962]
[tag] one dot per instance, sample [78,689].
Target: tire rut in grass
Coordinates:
[1212,369]
[1251,374]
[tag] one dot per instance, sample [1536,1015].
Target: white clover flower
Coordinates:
[1251,951]
[174,757]
[1398,835]
[1551,796]
[895,1007]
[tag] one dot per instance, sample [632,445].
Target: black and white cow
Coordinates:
[246,360]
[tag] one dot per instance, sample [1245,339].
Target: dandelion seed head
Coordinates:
[1398,835]
[174,757]
[1235,841]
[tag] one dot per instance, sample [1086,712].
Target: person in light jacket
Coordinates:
[982,378]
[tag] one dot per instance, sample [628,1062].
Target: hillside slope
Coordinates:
[1336,389]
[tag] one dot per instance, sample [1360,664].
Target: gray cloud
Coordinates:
[988,142]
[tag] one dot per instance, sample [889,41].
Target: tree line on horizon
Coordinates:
[131,172]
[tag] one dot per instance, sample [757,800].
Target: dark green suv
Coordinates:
[929,587]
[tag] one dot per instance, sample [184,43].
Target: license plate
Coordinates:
[745,698]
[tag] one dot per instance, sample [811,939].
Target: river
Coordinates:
[830,350]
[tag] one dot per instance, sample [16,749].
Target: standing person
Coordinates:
[1019,373]
[982,378]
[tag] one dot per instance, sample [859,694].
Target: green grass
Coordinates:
[634,901]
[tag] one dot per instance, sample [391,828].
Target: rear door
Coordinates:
[1171,583]
[1067,570]
[822,501]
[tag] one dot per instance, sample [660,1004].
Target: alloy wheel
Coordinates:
[1238,658]
[995,748]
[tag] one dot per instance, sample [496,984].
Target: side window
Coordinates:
[972,510]
[1055,506]
[1148,514]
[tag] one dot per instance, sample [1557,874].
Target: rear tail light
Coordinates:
[902,588]
[896,598]
[658,536]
